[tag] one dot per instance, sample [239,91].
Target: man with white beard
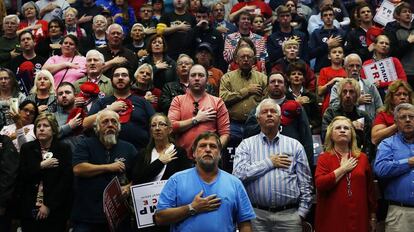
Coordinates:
[96,161]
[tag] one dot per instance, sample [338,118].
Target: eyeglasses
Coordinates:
[406,117]
[195,112]
[146,10]
[160,125]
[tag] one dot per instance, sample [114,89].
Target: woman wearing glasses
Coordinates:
[21,131]
[161,158]
[344,183]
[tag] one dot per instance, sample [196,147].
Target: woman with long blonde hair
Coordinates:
[344,182]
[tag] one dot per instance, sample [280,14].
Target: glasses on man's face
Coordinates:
[195,112]
[159,125]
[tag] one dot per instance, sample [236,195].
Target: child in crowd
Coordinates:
[328,76]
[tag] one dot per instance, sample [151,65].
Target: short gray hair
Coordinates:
[183,55]
[144,65]
[97,53]
[96,18]
[113,25]
[402,106]
[12,16]
[265,101]
[352,55]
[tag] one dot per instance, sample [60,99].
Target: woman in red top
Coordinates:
[381,51]
[31,22]
[383,127]
[345,191]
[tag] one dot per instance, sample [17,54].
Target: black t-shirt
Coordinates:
[132,59]
[25,71]
[179,42]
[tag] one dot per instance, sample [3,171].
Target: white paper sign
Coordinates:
[145,197]
[385,12]
[382,70]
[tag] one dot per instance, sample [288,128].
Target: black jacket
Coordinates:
[169,91]
[9,165]
[57,182]
[145,172]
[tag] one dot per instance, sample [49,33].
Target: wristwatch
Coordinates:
[191,210]
[194,121]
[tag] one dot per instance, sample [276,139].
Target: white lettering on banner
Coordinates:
[145,198]
[382,70]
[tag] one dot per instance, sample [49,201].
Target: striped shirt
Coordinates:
[270,186]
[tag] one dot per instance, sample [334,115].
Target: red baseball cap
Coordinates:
[290,110]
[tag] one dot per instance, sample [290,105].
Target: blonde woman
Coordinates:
[43,92]
[344,182]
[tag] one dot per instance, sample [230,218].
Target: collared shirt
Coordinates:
[230,44]
[104,83]
[391,164]
[270,186]
[234,92]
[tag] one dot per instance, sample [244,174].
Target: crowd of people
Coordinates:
[221,99]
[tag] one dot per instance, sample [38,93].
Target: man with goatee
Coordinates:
[96,161]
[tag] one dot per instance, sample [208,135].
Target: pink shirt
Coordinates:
[182,108]
[73,74]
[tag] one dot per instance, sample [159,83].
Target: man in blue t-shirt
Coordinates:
[205,198]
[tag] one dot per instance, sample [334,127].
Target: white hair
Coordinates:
[95,52]
[113,25]
[12,16]
[99,16]
[350,56]
[265,101]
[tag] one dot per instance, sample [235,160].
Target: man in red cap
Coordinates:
[134,112]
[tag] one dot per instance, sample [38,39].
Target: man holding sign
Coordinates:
[205,198]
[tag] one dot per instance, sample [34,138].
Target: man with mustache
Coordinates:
[349,92]
[369,99]
[276,174]
[96,161]
[197,111]
[204,198]
[134,111]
